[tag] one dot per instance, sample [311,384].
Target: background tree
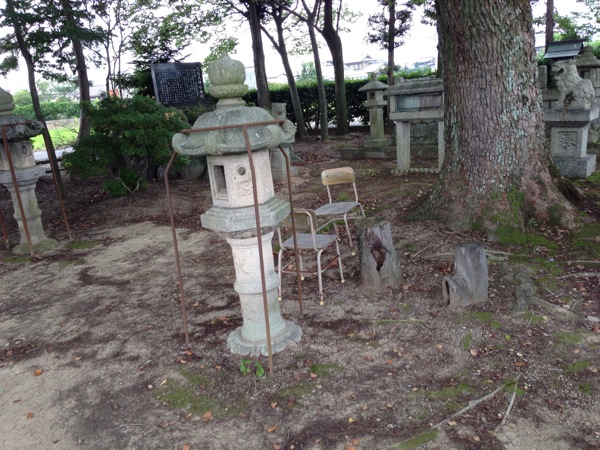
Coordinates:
[496,173]
[389,28]
[308,73]
[279,17]
[334,42]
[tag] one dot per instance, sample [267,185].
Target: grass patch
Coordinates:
[585,388]
[16,259]
[294,393]
[72,262]
[450,392]
[514,236]
[578,366]
[60,137]
[571,337]
[416,441]
[483,317]
[185,395]
[325,370]
[81,245]
[466,342]
[527,317]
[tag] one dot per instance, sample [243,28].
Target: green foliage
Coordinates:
[50,110]
[246,368]
[578,366]
[417,441]
[308,73]
[22,97]
[129,137]
[60,137]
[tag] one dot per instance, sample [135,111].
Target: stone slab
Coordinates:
[570,118]
[569,142]
[576,167]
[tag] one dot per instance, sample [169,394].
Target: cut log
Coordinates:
[379,265]
[469,284]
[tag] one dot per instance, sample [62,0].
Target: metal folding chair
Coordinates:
[334,211]
[308,241]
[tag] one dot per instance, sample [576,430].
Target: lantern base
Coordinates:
[288,337]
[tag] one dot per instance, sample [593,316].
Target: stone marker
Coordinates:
[232,214]
[27,174]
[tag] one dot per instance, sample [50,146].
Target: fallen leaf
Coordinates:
[415,389]
[356,441]
[29,415]
[351,420]
[273,404]
[186,447]
[364,407]
[218,367]
[207,416]
[313,375]
[38,372]
[388,361]
[476,438]
[163,382]
[182,361]
[277,446]
[187,352]
[439,346]
[452,423]
[576,351]
[272,429]
[520,363]
[150,386]
[77,358]
[349,447]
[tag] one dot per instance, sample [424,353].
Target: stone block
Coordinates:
[576,167]
[569,142]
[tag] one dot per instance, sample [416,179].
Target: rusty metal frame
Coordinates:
[18,193]
[244,128]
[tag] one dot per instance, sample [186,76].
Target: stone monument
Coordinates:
[375,104]
[232,214]
[569,119]
[18,130]
[416,101]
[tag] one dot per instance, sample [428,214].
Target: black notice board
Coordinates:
[178,84]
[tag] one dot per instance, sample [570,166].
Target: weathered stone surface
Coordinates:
[576,167]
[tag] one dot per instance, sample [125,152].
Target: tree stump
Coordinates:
[379,265]
[469,284]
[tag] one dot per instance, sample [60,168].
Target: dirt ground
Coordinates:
[92,352]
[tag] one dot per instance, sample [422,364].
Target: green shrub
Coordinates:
[50,110]
[129,138]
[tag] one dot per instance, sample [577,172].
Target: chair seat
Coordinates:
[337,208]
[305,241]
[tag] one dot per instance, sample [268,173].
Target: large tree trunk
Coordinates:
[81,69]
[549,22]
[335,47]
[323,119]
[282,50]
[496,170]
[262,88]
[391,41]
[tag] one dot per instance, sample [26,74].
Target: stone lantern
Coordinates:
[232,214]
[18,134]
[375,104]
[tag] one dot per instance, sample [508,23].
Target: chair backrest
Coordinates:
[339,175]
[305,220]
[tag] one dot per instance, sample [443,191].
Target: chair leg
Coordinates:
[280,270]
[349,236]
[301,265]
[319,273]
[337,247]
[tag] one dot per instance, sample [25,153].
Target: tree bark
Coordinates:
[496,171]
[81,69]
[470,282]
[379,264]
[549,22]
[262,87]
[391,41]
[280,46]
[335,47]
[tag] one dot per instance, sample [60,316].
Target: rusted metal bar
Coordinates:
[260,250]
[176,249]
[4,231]
[297,257]
[17,191]
[60,202]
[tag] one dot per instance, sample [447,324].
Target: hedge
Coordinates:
[50,110]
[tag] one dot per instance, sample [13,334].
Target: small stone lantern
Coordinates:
[375,104]
[232,214]
[18,134]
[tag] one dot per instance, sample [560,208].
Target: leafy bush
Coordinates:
[129,139]
[50,110]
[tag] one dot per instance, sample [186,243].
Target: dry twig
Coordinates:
[512,400]
[581,275]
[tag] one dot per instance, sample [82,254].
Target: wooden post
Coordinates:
[469,284]
[379,265]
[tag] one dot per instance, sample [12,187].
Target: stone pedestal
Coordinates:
[568,140]
[26,181]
